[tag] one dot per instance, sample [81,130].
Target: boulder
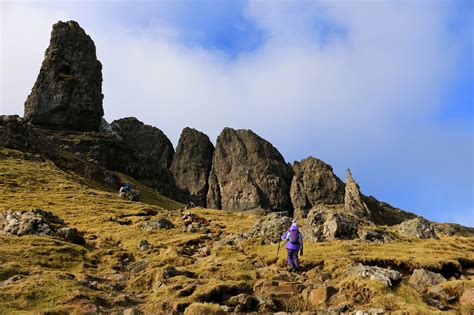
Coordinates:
[248,173]
[327,225]
[151,144]
[417,228]
[144,245]
[192,163]
[314,183]
[388,277]
[321,295]
[270,227]
[159,224]
[353,199]
[204,309]
[38,222]
[422,279]
[67,94]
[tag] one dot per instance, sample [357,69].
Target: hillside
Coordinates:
[221,263]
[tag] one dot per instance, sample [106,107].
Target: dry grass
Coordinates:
[51,267]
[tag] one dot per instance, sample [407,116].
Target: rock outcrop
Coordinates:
[314,183]
[387,276]
[353,199]
[324,224]
[248,173]
[417,228]
[192,163]
[38,222]
[67,94]
[150,142]
[270,227]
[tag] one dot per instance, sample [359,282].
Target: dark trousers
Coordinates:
[293,258]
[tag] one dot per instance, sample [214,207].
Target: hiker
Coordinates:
[188,219]
[294,243]
[125,187]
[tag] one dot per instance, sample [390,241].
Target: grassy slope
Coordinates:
[51,267]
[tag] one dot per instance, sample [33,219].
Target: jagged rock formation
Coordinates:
[248,173]
[314,183]
[353,199]
[67,94]
[192,163]
[150,142]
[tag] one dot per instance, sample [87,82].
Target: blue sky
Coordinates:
[382,87]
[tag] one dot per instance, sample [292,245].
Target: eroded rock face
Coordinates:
[150,142]
[353,199]
[328,225]
[314,183]
[67,94]
[248,173]
[37,222]
[418,228]
[192,163]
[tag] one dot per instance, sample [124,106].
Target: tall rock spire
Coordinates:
[353,199]
[67,94]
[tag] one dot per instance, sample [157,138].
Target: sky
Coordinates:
[384,88]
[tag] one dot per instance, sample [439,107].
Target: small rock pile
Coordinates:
[132,195]
[38,222]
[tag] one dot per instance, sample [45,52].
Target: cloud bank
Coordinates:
[357,84]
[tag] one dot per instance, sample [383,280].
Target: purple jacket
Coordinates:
[290,245]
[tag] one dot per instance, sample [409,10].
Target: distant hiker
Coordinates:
[294,243]
[188,219]
[125,187]
[127,192]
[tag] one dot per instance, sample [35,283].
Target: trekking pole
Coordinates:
[278,250]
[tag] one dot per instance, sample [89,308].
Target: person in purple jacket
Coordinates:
[294,243]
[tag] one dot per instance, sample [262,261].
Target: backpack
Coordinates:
[294,237]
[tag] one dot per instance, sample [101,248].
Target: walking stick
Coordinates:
[278,250]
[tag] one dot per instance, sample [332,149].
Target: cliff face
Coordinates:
[67,94]
[244,171]
[192,163]
[248,173]
[314,183]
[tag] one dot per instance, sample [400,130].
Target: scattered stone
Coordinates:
[421,279]
[203,309]
[67,94]
[375,236]
[327,225]
[353,199]
[388,277]
[11,280]
[242,303]
[314,183]
[159,224]
[38,222]
[271,227]
[170,272]
[417,228]
[144,245]
[192,163]
[248,173]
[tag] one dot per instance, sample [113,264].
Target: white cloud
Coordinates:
[363,98]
